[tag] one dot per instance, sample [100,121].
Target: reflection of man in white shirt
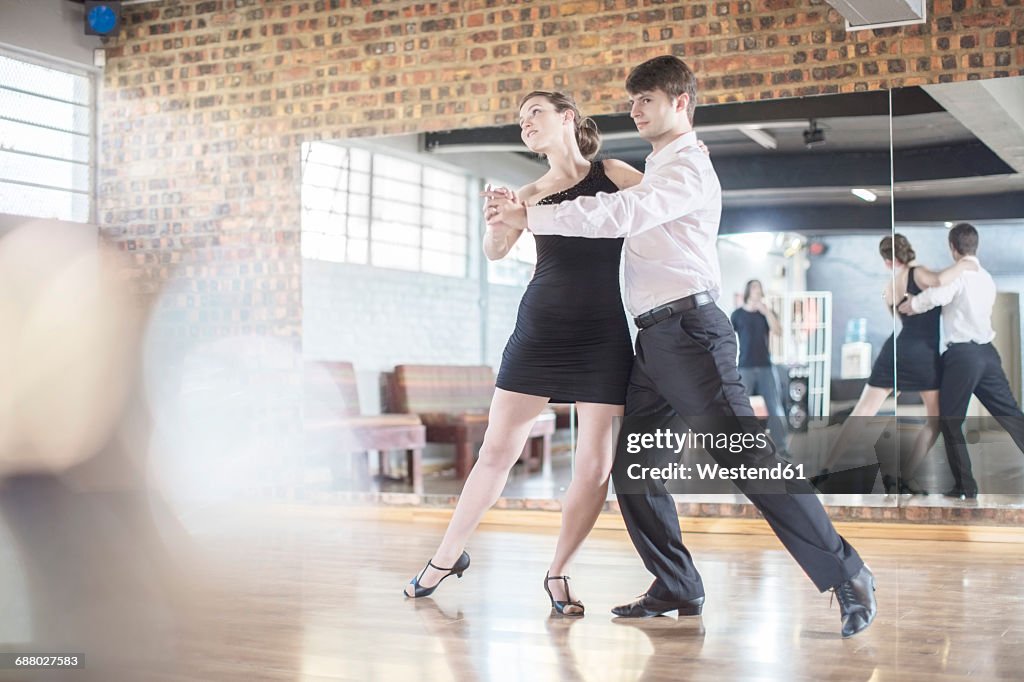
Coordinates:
[970,364]
[686,348]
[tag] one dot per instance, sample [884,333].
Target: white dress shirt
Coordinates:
[670,222]
[966,306]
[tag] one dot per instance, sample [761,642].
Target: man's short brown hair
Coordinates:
[964,239]
[669,74]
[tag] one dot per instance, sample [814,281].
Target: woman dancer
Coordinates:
[917,358]
[571,344]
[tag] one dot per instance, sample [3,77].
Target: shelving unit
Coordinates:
[806,342]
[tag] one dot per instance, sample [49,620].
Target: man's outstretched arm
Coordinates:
[662,197]
[931,297]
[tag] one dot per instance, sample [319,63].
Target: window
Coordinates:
[362,206]
[46,130]
[516,268]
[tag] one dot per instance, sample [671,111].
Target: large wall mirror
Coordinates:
[959,158]
[393,275]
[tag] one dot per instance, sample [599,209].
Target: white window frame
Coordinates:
[77,69]
[375,151]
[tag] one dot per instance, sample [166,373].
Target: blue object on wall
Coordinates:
[102,18]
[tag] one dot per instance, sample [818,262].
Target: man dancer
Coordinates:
[970,364]
[686,349]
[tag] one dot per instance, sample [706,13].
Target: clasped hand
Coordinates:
[503,209]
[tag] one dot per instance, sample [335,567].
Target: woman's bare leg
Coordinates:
[870,401]
[509,422]
[926,437]
[587,491]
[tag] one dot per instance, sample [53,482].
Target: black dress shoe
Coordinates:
[646,606]
[961,494]
[856,601]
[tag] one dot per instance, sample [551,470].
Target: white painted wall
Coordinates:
[47,27]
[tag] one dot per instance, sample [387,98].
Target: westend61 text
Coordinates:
[781,471]
[663,439]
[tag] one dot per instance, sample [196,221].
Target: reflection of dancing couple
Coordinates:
[969,365]
[570,344]
[917,365]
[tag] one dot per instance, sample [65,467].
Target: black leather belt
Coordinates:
[663,312]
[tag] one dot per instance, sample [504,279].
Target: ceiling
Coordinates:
[958,154]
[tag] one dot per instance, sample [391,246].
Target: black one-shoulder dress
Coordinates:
[918,364]
[571,341]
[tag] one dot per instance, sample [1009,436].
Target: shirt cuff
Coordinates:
[917,305]
[541,219]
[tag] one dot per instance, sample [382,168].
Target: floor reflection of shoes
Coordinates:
[559,626]
[680,626]
[432,610]
[671,639]
[961,494]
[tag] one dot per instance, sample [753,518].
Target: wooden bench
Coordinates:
[331,410]
[565,416]
[453,401]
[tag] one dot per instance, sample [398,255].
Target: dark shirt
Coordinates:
[752,329]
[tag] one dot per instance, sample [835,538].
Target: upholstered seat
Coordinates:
[453,402]
[331,405]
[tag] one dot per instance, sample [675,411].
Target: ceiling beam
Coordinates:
[874,103]
[808,169]
[865,218]
[1004,206]
[960,160]
[993,111]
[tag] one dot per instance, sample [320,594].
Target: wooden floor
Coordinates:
[306,593]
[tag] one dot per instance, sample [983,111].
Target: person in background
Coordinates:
[754,322]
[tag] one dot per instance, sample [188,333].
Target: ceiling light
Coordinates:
[865,194]
[756,244]
[796,244]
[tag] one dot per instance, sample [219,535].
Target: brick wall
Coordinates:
[205,103]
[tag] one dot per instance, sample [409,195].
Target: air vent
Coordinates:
[861,14]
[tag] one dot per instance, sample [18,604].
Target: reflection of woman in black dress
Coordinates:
[916,354]
[571,344]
